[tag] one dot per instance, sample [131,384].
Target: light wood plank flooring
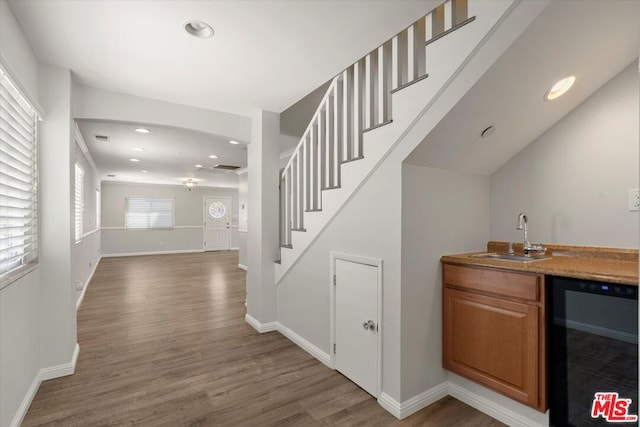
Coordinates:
[163,342]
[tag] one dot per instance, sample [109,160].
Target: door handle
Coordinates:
[369,325]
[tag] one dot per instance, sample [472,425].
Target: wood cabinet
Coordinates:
[494,330]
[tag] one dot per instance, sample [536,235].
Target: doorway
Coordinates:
[217,223]
[356,314]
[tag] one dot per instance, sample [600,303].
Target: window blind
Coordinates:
[79,201]
[18,180]
[149,213]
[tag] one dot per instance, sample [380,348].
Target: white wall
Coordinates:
[57,301]
[433,224]
[262,235]
[243,218]
[19,319]
[19,345]
[573,180]
[86,252]
[17,54]
[188,232]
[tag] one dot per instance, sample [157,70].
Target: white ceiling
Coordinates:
[271,53]
[593,40]
[169,155]
[264,54]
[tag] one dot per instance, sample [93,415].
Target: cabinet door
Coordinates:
[492,341]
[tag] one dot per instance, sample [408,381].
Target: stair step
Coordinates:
[278,261]
[351,160]
[313,210]
[333,187]
[416,80]
[299,229]
[286,246]
[450,30]
[378,125]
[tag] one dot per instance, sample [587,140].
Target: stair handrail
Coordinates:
[313,120]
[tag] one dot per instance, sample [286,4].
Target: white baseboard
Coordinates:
[489,407]
[234,249]
[243,267]
[260,327]
[402,410]
[61,370]
[86,284]
[304,344]
[26,402]
[184,251]
[43,375]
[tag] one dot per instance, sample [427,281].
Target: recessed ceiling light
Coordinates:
[144,171]
[111,175]
[487,132]
[134,160]
[234,142]
[143,130]
[199,29]
[560,88]
[140,149]
[213,156]
[198,166]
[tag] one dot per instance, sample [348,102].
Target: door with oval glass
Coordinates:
[217,223]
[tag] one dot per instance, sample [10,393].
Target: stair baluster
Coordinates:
[357,100]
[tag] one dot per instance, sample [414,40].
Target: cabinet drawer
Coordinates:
[524,286]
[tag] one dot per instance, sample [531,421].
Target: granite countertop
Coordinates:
[580,262]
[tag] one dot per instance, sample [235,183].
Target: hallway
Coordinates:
[163,342]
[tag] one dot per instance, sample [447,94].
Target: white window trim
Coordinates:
[19,189]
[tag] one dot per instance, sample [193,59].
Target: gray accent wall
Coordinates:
[187,236]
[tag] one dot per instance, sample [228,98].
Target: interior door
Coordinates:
[217,223]
[356,323]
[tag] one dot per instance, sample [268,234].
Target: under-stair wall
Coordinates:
[368,221]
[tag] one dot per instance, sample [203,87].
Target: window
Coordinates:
[147,212]
[18,181]
[79,196]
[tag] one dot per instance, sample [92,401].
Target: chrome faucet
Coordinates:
[527,247]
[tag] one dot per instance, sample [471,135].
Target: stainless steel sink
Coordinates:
[510,257]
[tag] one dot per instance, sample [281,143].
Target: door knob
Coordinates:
[369,325]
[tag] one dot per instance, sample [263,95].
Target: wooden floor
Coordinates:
[163,342]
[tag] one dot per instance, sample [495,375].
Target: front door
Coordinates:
[356,323]
[217,223]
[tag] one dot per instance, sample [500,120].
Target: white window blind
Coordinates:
[18,180]
[147,212]
[79,201]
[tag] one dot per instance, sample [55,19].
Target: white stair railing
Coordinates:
[357,100]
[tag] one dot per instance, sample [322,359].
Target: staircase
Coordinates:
[359,120]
